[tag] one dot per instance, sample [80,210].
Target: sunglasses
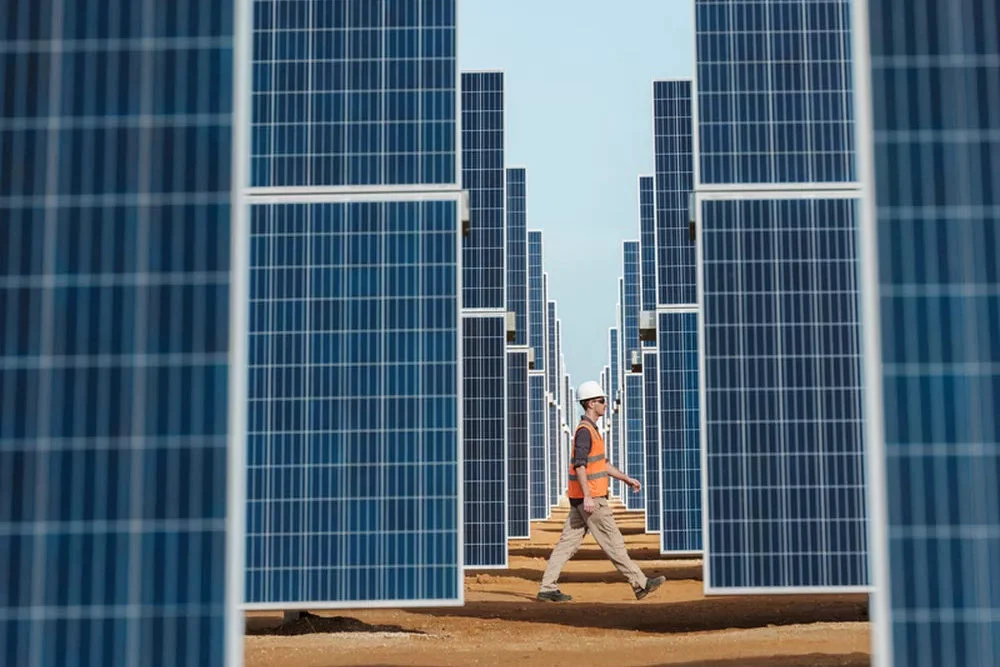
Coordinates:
[602,401]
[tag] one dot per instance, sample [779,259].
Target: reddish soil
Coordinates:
[502,624]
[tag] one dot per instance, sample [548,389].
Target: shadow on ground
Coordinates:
[717,613]
[308,624]
[680,573]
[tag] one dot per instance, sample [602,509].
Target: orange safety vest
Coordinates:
[597,465]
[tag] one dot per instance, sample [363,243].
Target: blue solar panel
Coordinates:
[483,175]
[484,440]
[635,458]
[536,299]
[630,304]
[114,312]
[935,69]
[554,441]
[774,91]
[784,446]
[647,241]
[354,93]
[517,444]
[354,351]
[651,439]
[536,436]
[614,444]
[680,444]
[672,122]
[550,350]
[517,252]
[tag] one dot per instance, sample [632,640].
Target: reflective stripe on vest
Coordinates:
[597,466]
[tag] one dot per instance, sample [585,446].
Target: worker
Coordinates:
[589,509]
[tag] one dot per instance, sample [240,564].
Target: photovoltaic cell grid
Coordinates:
[483,175]
[614,453]
[632,296]
[353,93]
[517,252]
[536,437]
[647,241]
[774,91]
[935,80]
[680,429]
[517,444]
[353,446]
[114,299]
[783,395]
[551,371]
[484,440]
[635,461]
[674,160]
[536,299]
[651,439]
[554,442]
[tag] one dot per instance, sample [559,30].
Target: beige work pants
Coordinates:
[601,523]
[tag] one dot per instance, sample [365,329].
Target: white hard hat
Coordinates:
[589,390]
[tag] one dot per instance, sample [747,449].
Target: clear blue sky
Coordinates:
[578,81]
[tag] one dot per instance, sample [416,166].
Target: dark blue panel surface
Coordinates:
[484,440]
[935,81]
[483,250]
[536,299]
[551,356]
[635,458]
[353,448]
[114,332]
[614,442]
[651,439]
[517,252]
[774,91]
[517,444]
[674,160]
[647,241]
[536,437]
[783,394]
[354,92]
[680,429]
[555,442]
[630,304]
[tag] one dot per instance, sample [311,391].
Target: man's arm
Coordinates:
[618,474]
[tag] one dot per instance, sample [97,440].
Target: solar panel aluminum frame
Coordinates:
[691,553]
[481,313]
[753,193]
[257,197]
[871,344]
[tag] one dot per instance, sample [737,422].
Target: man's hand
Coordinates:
[634,483]
[589,505]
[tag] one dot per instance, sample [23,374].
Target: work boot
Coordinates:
[554,596]
[651,585]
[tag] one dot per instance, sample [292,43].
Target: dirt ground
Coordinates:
[502,624]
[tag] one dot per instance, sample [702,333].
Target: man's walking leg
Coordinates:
[602,524]
[572,536]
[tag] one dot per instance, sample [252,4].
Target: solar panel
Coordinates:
[614,443]
[354,405]
[518,516]
[680,443]
[554,440]
[647,245]
[774,91]
[517,253]
[782,413]
[483,176]
[484,440]
[635,459]
[536,299]
[536,435]
[672,138]
[935,293]
[551,369]
[115,218]
[651,439]
[354,94]
[631,303]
